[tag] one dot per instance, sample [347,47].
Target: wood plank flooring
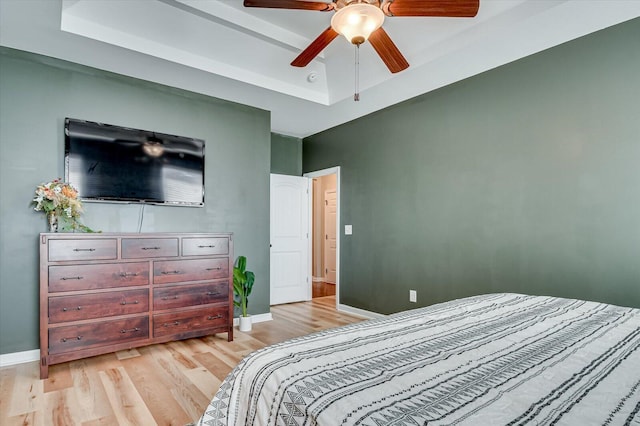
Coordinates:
[322,289]
[167,384]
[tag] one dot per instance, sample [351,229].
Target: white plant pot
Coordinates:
[245,323]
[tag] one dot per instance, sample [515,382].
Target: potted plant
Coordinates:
[242,285]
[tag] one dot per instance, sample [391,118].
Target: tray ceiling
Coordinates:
[222,49]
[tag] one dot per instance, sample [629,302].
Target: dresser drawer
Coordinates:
[72,308]
[82,249]
[179,296]
[172,271]
[209,246]
[136,248]
[96,276]
[187,321]
[73,337]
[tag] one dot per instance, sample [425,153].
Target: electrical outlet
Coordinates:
[413,296]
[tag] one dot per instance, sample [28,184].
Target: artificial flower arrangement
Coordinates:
[59,201]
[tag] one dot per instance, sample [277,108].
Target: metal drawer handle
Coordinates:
[209,246]
[215,269]
[213,293]
[211,317]
[83,249]
[126,275]
[150,248]
[170,272]
[169,324]
[66,309]
[130,330]
[169,298]
[71,278]
[124,302]
[64,339]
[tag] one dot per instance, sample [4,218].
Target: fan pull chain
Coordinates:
[356,95]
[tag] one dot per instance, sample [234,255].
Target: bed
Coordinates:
[496,359]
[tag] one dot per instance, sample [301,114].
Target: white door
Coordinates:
[290,243]
[330,236]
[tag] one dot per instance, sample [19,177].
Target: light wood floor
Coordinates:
[168,384]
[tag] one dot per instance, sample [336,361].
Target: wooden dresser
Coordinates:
[106,292]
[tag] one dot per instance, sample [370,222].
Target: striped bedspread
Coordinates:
[498,359]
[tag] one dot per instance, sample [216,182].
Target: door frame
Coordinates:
[316,174]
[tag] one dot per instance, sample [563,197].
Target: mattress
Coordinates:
[496,359]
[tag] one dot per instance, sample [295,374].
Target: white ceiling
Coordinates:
[222,49]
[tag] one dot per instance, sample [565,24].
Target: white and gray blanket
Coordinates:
[498,359]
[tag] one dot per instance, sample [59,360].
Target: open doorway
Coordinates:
[325,235]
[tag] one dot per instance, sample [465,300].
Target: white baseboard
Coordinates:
[19,357]
[359,312]
[318,279]
[255,318]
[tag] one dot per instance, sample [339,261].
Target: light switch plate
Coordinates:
[348,230]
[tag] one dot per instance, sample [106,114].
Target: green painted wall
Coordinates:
[37,93]
[286,155]
[523,179]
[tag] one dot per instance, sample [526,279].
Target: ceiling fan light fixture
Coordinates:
[357,21]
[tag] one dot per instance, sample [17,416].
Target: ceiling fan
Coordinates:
[361,20]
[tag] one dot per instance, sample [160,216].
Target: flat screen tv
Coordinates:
[118,164]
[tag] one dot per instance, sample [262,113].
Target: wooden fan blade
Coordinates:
[388,51]
[315,48]
[451,8]
[290,4]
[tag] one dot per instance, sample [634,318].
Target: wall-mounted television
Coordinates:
[119,164]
